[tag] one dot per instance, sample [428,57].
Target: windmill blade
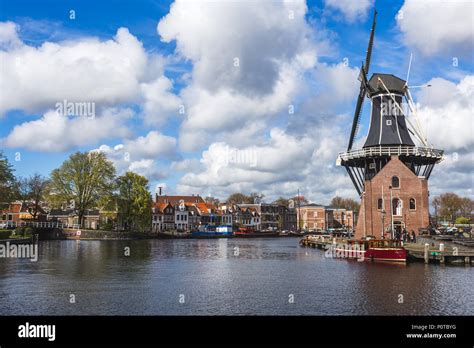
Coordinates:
[355,121]
[364,86]
[371,43]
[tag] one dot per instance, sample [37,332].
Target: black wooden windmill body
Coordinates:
[390,128]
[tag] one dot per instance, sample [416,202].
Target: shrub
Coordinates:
[462,220]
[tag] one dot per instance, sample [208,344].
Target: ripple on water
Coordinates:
[215,280]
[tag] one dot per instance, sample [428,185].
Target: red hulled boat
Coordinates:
[387,250]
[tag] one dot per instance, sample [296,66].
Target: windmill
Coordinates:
[393,122]
[391,170]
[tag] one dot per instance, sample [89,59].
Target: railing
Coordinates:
[38,224]
[391,150]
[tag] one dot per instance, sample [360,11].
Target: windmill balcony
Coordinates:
[376,151]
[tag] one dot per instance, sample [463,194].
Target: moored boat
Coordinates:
[386,250]
[208,231]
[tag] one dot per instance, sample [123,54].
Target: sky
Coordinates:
[217,97]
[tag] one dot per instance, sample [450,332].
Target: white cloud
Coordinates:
[446,111]
[159,101]
[142,155]
[351,9]
[270,44]
[108,73]
[54,132]
[153,145]
[276,167]
[187,165]
[434,26]
[147,168]
[8,36]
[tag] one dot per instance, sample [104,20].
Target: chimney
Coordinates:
[160,190]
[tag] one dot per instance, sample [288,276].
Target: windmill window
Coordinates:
[397,207]
[380,204]
[412,204]
[389,122]
[395,182]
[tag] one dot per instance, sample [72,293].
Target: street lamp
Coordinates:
[382,213]
[391,212]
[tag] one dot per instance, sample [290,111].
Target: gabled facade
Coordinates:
[397,194]
[163,217]
[19,212]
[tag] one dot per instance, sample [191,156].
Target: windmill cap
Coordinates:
[394,84]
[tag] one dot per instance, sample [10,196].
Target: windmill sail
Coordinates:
[363,86]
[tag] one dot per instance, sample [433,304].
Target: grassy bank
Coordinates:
[4,234]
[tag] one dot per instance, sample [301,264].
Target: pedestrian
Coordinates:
[413,236]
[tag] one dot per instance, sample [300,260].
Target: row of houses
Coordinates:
[185,213]
[190,213]
[19,213]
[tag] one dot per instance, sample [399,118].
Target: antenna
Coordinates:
[418,132]
[409,67]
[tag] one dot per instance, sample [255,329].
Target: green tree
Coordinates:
[84,178]
[134,202]
[7,180]
[463,220]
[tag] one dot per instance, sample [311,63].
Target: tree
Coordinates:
[134,201]
[212,200]
[255,197]
[463,220]
[37,187]
[239,198]
[436,206]
[345,203]
[84,178]
[31,189]
[450,205]
[300,200]
[7,180]
[467,207]
[21,190]
[282,201]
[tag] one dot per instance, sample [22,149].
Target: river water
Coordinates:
[271,276]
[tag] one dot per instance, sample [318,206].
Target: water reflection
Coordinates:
[223,277]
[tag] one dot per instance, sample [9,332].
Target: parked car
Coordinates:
[451,230]
[3,225]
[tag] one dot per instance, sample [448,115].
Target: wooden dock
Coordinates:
[440,253]
[426,250]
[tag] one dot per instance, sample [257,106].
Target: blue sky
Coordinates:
[334,33]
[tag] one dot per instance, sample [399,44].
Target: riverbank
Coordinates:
[85,234]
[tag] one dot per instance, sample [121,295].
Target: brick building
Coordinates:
[408,204]
[315,217]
